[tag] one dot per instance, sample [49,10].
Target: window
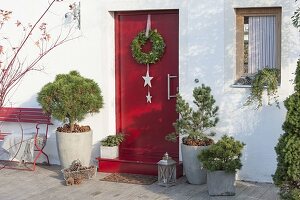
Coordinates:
[258,41]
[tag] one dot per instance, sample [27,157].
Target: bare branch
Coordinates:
[14,67]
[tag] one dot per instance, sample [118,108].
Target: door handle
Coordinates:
[169,90]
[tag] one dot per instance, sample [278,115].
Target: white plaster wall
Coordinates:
[85,54]
[207,53]
[259,129]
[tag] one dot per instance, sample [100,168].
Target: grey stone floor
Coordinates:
[47,183]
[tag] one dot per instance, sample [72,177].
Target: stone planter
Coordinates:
[109,152]
[193,169]
[221,183]
[73,146]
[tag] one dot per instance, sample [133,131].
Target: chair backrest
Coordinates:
[24,115]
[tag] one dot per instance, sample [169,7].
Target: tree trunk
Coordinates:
[72,126]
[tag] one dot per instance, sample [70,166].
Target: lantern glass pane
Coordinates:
[167,175]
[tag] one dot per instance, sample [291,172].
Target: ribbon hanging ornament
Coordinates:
[151,57]
[148,78]
[148,26]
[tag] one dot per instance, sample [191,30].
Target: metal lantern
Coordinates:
[166,171]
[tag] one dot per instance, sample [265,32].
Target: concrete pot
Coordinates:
[193,169]
[221,183]
[109,152]
[73,146]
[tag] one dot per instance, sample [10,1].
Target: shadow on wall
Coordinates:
[31,102]
[205,48]
[50,147]
[260,157]
[259,129]
[29,128]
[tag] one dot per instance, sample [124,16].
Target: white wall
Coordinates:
[207,53]
[85,54]
[259,129]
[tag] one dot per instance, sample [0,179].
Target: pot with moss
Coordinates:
[194,124]
[109,146]
[222,160]
[69,98]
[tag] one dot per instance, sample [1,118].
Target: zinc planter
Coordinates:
[220,183]
[193,169]
[73,146]
[109,152]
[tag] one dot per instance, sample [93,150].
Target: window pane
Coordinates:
[261,43]
[258,41]
[246,42]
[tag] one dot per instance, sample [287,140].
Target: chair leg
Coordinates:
[40,150]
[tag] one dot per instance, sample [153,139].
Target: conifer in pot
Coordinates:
[222,160]
[194,124]
[69,98]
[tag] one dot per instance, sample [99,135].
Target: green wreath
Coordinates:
[153,56]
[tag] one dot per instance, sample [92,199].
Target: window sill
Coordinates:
[245,86]
[240,86]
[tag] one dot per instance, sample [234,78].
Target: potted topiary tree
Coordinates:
[222,160]
[109,147]
[69,98]
[194,125]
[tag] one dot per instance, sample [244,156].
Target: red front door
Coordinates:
[146,124]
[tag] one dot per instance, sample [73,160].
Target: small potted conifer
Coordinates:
[222,160]
[109,146]
[194,124]
[69,98]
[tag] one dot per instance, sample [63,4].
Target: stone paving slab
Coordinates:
[47,183]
